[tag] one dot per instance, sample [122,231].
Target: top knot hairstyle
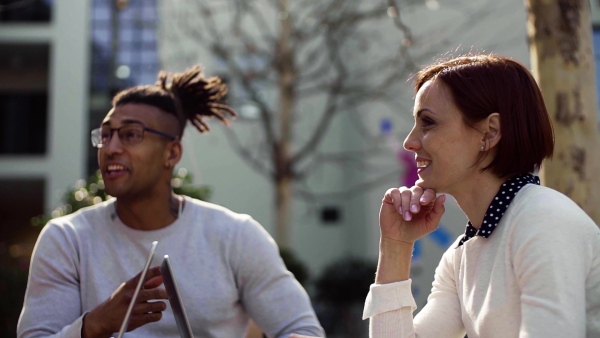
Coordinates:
[188,95]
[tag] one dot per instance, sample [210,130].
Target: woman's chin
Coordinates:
[422,184]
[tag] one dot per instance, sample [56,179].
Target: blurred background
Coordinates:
[324,93]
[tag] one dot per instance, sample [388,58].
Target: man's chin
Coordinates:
[113,191]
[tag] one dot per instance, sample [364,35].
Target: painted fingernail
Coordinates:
[407,216]
[400,210]
[423,199]
[413,208]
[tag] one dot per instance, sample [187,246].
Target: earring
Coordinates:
[481,148]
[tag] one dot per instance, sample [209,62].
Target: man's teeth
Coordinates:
[422,164]
[115,167]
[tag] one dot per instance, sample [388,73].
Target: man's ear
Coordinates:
[173,153]
[491,131]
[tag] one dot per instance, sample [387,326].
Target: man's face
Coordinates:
[140,169]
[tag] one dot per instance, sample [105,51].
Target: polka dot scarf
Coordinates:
[500,203]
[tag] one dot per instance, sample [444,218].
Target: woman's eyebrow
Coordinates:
[418,112]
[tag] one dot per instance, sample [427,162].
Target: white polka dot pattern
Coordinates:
[507,192]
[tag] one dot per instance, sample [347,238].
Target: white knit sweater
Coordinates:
[537,275]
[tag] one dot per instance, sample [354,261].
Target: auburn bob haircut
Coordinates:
[484,84]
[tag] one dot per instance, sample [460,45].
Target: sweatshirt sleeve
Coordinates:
[390,307]
[52,306]
[274,299]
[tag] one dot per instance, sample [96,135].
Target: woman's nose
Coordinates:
[412,142]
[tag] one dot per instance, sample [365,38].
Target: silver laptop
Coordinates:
[136,292]
[181,318]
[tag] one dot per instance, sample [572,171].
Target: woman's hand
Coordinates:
[408,214]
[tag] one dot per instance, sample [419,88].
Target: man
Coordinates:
[228,267]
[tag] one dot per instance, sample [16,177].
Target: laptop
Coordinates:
[136,292]
[181,318]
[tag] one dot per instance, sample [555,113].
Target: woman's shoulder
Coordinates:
[547,212]
[541,199]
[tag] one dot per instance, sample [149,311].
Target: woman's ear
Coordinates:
[492,131]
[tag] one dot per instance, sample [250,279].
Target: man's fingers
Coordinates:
[141,319]
[152,272]
[151,294]
[153,282]
[149,307]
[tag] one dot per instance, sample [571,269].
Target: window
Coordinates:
[25,10]
[23,98]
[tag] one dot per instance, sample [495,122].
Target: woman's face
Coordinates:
[446,148]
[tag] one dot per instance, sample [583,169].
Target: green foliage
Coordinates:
[341,290]
[85,193]
[294,265]
[346,281]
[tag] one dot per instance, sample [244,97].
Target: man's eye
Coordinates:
[104,135]
[133,134]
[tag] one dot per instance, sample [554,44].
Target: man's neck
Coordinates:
[148,214]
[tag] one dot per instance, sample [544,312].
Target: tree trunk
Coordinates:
[563,62]
[282,151]
[283,204]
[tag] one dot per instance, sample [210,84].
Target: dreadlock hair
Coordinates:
[188,95]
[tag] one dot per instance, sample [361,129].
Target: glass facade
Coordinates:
[124,53]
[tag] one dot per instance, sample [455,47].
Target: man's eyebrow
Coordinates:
[128,121]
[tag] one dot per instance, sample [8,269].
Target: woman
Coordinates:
[528,264]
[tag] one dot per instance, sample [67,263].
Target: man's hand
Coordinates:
[106,318]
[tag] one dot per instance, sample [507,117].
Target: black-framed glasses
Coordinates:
[129,134]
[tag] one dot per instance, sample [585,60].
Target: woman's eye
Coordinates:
[426,121]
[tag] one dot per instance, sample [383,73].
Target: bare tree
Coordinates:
[563,62]
[333,56]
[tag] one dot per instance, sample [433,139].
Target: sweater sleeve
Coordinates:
[52,306]
[390,307]
[552,252]
[272,296]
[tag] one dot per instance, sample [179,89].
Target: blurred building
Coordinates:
[60,63]
[44,72]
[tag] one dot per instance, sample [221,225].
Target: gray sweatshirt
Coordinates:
[227,266]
